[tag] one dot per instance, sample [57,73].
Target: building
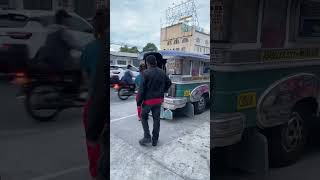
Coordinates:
[85,8]
[124,58]
[183,37]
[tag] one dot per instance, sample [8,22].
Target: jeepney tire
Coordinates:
[279,154]
[200,106]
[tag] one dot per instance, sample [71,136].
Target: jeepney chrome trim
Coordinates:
[173,106]
[177,100]
[235,57]
[260,124]
[239,67]
[174,103]
[193,82]
[288,18]
[227,128]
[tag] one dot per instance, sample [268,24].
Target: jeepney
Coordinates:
[265,69]
[190,76]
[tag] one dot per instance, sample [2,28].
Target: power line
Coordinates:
[118,43]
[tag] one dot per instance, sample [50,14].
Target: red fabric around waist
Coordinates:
[153,101]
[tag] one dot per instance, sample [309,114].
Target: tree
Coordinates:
[124,49]
[150,47]
[133,49]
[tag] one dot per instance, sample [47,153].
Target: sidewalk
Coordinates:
[187,157]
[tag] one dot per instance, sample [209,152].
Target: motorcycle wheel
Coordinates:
[30,107]
[124,93]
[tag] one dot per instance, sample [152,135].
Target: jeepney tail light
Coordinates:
[20,79]
[172,91]
[116,87]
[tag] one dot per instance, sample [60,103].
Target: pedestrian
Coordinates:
[151,94]
[138,80]
[56,51]
[90,57]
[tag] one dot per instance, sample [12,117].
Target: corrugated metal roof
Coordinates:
[125,54]
[170,53]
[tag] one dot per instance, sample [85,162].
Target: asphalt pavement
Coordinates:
[31,150]
[306,168]
[182,151]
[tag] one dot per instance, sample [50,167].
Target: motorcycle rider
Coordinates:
[57,51]
[127,78]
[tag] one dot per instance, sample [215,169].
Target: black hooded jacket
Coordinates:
[153,86]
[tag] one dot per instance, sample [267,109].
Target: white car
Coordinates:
[119,70]
[23,32]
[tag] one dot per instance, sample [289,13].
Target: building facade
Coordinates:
[182,37]
[123,58]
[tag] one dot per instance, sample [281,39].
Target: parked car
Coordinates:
[23,32]
[117,71]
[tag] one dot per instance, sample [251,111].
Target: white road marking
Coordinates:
[60,173]
[125,117]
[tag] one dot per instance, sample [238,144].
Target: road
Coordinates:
[307,168]
[182,151]
[32,150]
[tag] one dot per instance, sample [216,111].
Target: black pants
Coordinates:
[155,109]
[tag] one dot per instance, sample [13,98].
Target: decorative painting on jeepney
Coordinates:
[197,92]
[276,104]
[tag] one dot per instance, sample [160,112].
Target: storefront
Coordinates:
[122,58]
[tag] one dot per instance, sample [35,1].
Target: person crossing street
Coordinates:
[150,97]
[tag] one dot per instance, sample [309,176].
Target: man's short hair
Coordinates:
[152,60]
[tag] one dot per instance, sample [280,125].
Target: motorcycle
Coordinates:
[45,94]
[124,90]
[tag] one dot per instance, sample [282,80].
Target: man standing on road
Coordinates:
[94,124]
[151,93]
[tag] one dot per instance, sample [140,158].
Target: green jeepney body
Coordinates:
[262,63]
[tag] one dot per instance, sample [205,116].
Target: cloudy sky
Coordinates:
[137,22]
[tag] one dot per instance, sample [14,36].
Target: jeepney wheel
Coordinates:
[287,142]
[200,105]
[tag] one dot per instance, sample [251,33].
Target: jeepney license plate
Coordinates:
[247,100]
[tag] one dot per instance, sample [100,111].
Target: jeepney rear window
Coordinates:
[186,67]
[174,66]
[205,68]
[195,68]
[310,19]
[245,21]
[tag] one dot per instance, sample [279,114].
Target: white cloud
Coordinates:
[138,22]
